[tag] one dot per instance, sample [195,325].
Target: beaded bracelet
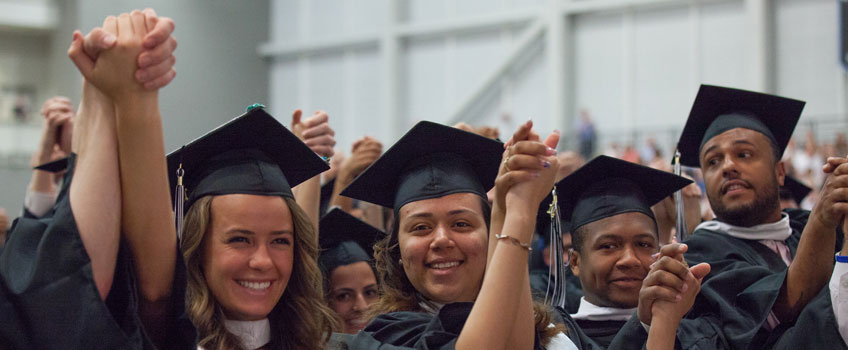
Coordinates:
[514,241]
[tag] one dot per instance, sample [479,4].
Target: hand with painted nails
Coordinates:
[669,290]
[526,159]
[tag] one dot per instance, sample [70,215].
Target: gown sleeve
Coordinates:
[48,298]
[415,330]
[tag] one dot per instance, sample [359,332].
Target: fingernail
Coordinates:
[685,287]
[535,174]
[655,256]
[141,75]
[546,164]
[109,39]
[551,152]
[144,61]
[556,131]
[677,297]
[652,265]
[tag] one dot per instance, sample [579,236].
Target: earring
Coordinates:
[400,261]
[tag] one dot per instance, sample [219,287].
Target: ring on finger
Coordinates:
[506,163]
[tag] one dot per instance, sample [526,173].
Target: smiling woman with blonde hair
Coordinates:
[249,248]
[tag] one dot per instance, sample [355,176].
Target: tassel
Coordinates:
[680,222]
[555,295]
[179,201]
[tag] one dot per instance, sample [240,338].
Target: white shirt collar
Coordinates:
[592,312]
[777,231]
[253,334]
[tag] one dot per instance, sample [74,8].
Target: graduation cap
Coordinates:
[794,190]
[345,240]
[430,161]
[718,109]
[251,154]
[54,166]
[607,186]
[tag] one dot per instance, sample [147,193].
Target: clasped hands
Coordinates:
[130,53]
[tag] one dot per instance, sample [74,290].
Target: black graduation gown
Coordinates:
[599,335]
[416,330]
[739,293]
[48,298]
[573,289]
[815,328]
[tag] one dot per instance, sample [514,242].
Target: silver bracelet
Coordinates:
[514,241]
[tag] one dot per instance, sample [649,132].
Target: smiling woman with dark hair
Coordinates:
[448,282]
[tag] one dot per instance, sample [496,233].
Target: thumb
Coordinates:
[700,271]
[296,117]
[552,140]
[84,63]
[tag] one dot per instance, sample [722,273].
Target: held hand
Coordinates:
[831,208]
[58,115]
[523,157]
[365,152]
[318,135]
[671,286]
[156,62]
[527,195]
[113,71]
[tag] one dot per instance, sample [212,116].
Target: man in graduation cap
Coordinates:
[346,261]
[614,236]
[764,270]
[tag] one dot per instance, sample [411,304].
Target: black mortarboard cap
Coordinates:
[251,154]
[345,240]
[794,189]
[54,166]
[430,161]
[607,186]
[718,109]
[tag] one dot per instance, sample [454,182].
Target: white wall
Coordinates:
[636,65]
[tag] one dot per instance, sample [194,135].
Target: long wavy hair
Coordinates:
[400,295]
[300,320]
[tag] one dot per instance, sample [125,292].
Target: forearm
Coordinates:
[308,196]
[95,192]
[493,322]
[663,333]
[147,221]
[524,315]
[345,203]
[809,272]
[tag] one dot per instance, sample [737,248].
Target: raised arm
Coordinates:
[502,316]
[95,192]
[364,152]
[145,202]
[812,266]
[316,133]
